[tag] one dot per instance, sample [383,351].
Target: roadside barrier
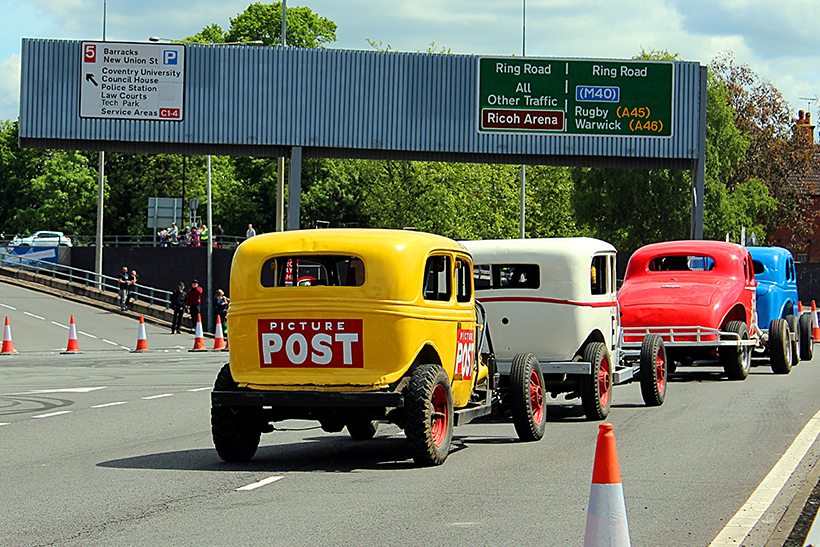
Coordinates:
[606,518]
[199,337]
[142,339]
[815,326]
[8,347]
[219,339]
[73,344]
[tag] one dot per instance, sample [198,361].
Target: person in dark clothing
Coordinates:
[193,301]
[124,283]
[178,303]
[220,235]
[221,307]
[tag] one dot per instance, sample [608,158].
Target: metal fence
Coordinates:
[86,278]
[228,242]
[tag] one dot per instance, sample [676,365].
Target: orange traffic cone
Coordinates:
[73,344]
[142,339]
[815,326]
[606,519]
[226,345]
[219,339]
[799,308]
[8,347]
[199,338]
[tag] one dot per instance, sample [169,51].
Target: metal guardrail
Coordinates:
[228,242]
[150,295]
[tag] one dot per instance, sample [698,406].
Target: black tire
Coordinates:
[805,324]
[780,346]
[794,328]
[653,370]
[362,430]
[529,408]
[429,415]
[236,435]
[596,389]
[736,360]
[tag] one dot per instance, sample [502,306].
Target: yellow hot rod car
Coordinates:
[353,327]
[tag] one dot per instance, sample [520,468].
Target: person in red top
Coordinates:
[194,299]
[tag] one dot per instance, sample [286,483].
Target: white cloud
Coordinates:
[10,87]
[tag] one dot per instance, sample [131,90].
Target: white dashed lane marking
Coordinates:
[157,396]
[32,315]
[255,485]
[110,404]
[49,415]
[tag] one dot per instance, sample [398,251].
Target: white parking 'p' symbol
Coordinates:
[169,57]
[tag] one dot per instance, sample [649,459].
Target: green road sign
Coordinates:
[589,97]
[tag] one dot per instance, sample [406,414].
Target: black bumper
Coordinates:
[371,399]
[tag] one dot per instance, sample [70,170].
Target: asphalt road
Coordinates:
[111,448]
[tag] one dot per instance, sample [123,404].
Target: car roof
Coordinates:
[545,251]
[724,254]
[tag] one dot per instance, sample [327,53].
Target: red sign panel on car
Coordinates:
[464,353]
[325,343]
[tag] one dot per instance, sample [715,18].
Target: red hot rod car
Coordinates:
[699,296]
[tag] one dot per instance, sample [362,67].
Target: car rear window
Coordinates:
[506,276]
[681,263]
[311,271]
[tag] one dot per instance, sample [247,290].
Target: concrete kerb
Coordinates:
[91,296]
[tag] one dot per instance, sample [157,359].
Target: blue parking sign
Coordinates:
[169,57]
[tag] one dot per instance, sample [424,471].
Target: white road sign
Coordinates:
[132,81]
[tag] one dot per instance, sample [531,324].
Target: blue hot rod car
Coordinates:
[787,333]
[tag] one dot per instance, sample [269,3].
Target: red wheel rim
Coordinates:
[536,397]
[659,372]
[603,381]
[439,418]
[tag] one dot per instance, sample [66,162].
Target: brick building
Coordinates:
[805,248]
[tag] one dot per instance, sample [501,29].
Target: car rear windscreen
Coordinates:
[310,271]
[506,276]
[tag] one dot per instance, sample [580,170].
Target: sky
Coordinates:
[774,38]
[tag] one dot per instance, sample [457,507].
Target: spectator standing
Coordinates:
[220,235]
[204,235]
[251,232]
[132,287]
[221,307]
[193,301]
[173,233]
[124,283]
[178,301]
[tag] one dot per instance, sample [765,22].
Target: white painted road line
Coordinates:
[91,335]
[201,389]
[59,325]
[9,307]
[63,390]
[53,414]
[110,342]
[4,423]
[110,404]
[748,516]
[256,485]
[157,396]
[32,315]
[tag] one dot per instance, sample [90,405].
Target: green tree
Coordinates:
[264,22]
[63,197]
[763,116]
[19,167]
